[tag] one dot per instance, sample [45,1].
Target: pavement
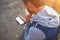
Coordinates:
[9,28]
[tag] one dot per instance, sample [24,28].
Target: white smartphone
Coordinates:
[20,21]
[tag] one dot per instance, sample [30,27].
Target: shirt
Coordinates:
[46,17]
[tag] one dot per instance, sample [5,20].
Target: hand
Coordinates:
[28,18]
[23,18]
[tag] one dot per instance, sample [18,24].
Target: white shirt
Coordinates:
[47,17]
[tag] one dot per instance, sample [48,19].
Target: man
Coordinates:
[44,24]
[33,7]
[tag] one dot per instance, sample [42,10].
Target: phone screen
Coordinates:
[19,20]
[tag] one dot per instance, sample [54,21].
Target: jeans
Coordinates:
[40,32]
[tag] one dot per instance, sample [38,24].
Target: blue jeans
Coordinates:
[51,33]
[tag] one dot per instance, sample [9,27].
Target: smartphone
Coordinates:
[19,20]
